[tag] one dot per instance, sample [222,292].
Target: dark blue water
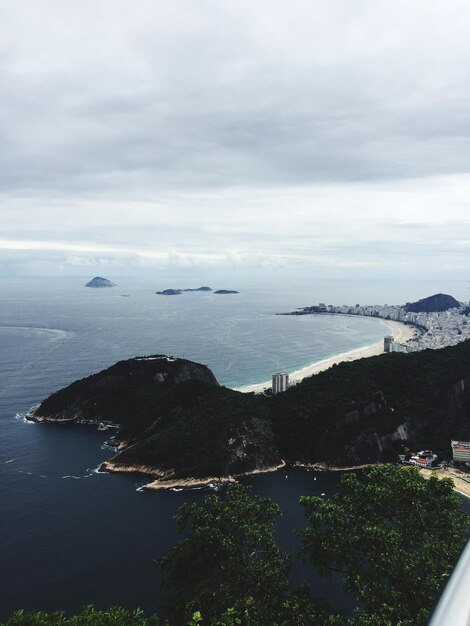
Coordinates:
[70,536]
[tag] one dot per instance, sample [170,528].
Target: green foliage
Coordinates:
[189,426]
[336,415]
[394,535]
[229,554]
[208,431]
[116,616]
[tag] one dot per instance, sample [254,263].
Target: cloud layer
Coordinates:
[330,133]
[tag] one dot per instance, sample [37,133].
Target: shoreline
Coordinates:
[162,478]
[402,333]
[163,482]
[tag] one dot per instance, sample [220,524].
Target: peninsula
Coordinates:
[179,426]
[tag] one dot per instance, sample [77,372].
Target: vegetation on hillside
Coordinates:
[350,413]
[175,417]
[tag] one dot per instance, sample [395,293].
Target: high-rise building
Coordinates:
[388,343]
[280,382]
[461,451]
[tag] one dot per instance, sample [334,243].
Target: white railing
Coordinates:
[453,608]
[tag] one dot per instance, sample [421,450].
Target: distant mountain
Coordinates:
[433,304]
[98,283]
[225,291]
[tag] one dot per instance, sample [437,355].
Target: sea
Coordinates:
[70,536]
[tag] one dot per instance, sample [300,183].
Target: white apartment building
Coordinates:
[280,382]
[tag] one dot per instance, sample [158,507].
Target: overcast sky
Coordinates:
[325,135]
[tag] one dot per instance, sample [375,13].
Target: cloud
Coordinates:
[249,133]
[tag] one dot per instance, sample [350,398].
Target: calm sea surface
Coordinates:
[69,536]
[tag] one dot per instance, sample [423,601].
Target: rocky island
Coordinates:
[225,291]
[178,292]
[169,292]
[177,424]
[98,283]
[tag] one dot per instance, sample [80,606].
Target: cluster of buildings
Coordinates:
[425,458]
[436,330]
[428,460]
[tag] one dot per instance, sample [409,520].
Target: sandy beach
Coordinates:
[401,332]
[461,480]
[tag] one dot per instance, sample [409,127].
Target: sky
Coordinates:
[326,136]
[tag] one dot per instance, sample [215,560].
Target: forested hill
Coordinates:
[176,419]
[365,410]
[437,303]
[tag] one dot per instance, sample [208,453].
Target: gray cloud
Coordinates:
[320,131]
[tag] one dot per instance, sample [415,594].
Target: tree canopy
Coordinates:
[396,537]
[229,554]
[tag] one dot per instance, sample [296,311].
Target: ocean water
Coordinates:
[70,536]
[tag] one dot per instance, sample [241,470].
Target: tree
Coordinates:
[228,556]
[396,537]
[115,616]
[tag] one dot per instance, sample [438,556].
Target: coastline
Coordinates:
[401,332]
[162,478]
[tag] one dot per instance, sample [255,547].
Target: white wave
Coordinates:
[10,461]
[22,416]
[72,476]
[58,333]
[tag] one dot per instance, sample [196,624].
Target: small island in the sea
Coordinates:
[169,292]
[178,425]
[225,291]
[98,283]
[178,292]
